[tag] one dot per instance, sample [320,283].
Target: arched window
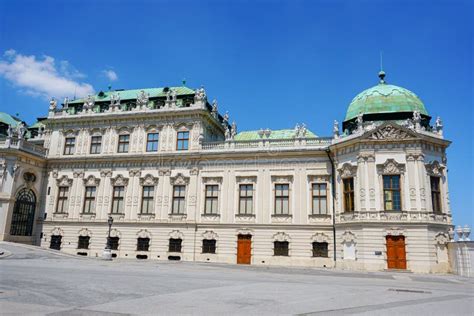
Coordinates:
[23,213]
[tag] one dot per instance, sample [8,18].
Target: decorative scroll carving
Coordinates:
[318,178]
[347,170]
[441,238]
[84,232]
[391,167]
[149,180]
[434,168]
[143,233]
[115,233]
[209,234]
[91,181]
[320,237]
[246,179]
[194,171]
[244,231]
[78,174]
[64,181]
[105,173]
[134,172]
[348,237]
[164,172]
[176,234]
[390,132]
[56,231]
[281,236]
[119,180]
[394,231]
[212,180]
[179,179]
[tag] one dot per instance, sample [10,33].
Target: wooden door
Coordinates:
[396,254]
[244,249]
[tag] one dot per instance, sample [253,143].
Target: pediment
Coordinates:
[390,131]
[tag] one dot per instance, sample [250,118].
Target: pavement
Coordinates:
[34,281]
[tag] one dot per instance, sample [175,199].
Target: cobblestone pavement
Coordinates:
[43,282]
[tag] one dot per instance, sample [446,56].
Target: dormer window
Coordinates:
[182,141]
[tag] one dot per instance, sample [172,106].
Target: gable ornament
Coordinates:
[347,170]
[434,169]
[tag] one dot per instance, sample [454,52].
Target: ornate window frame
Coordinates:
[245,179]
[148,180]
[318,179]
[118,180]
[282,179]
[179,179]
[436,169]
[211,180]
[390,168]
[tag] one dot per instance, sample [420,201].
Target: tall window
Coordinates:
[319,195]
[62,200]
[246,199]
[143,244]
[182,141]
[117,200]
[152,142]
[89,200]
[83,242]
[436,194]
[348,184]
[208,246]
[114,243]
[179,192]
[282,199]
[212,193]
[124,141]
[69,145]
[391,193]
[147,199]
[320,249]
[96,144]
[175,245]
[280,248]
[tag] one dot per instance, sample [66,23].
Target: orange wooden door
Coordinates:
[244,249]
[396,254]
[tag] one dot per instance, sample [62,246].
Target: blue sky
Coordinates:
[269,63]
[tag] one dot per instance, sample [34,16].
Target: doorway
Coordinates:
[244,249]
[396,254]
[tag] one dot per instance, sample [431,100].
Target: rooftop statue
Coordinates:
[20,130]
[233,130]
[142,99]
[200,94]
[66,103]
[10,131]
[417,120]
[52,104]
[225,119]
[439,126]
[214,108]
[360,122]
[335,129]
[88,103]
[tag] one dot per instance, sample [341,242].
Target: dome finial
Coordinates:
[381,72]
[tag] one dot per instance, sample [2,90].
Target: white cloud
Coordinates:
[110,74]
[40,76]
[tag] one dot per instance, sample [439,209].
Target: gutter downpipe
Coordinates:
[333,189]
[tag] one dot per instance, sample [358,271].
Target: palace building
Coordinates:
[181,183]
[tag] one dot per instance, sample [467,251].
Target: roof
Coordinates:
[385,98]
[275,134]
[9,119]
[132,94]
[37,125]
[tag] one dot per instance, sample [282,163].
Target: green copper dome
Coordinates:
[384,98]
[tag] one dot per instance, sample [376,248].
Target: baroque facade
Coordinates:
[181,183]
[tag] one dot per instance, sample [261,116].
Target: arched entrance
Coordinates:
[23,213]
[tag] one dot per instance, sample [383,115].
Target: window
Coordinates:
[436,194]
[147,199]
[89,200]
[182,141]
[62,200]
[280,248]
[282,196]
[209,246]
[96,143]
[178,199]
[114,243]
[175,245]
[246,199]
[348,184]
[83,242]
[212,193]
[69,145]
[143,244]
[152,142]
[117,199]
[391,193]
[123,143]
[319,196]
[320,249]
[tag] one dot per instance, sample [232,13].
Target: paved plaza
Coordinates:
[43,282]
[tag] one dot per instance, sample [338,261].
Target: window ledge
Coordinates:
[282,215]
[319,215]
[210,215]
[244,215]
